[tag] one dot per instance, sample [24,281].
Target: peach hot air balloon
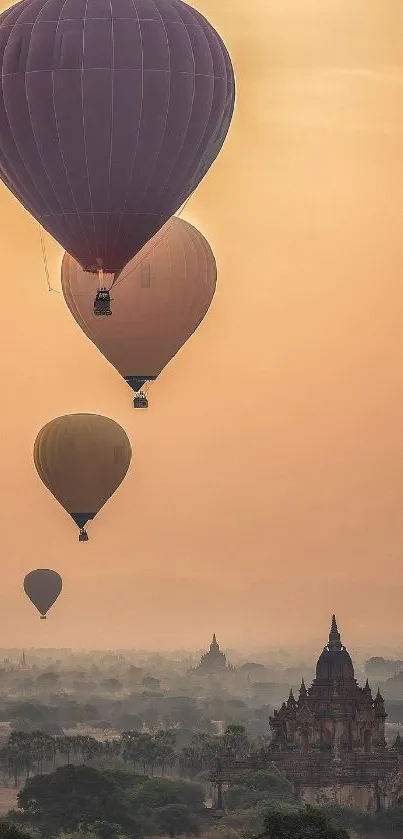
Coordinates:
[159,299]
[82,459]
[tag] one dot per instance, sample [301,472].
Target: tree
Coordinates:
[131,753]
[124,780]
[160,792]
[27,711]
[151,683]
[257,788]
[11,831]
[106,830]
[177,820]
[42,748]
[73,797]
[111,685]
[16,756]
[183,711]
[190,761]
[48,680]
[305,822]
[235,741]
[89,747]
[67,746]
[389,820]
[165,749]
[147,752]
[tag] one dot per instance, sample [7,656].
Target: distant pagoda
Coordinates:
[214,661]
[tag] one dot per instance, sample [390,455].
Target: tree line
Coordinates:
[28,753]
[81,802]
[120,798]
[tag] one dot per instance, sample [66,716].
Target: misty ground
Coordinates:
[156,715]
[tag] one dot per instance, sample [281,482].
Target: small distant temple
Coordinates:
[330,741]
[214,661]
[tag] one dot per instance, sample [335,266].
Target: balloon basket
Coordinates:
[83,536]
[102,303]
[140,401]
[42,617]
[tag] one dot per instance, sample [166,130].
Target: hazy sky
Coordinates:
[266,488]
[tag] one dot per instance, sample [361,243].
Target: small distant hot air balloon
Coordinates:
[111,113]
[43,587]
[82,459]
[159,299]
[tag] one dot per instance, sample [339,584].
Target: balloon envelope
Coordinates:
[158,301]
[82,459]
[43,587]
[111,113]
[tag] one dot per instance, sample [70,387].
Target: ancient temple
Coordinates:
[335,714]
[330,741]
[214,661]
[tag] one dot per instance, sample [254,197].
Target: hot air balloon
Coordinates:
[159,300]
[111,113]
[82,459]
[43,587]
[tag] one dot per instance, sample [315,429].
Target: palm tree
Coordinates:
[190,761]
[165,749]
[66,745]
[14,759]
[148,752]
[88,746]
[131,749]
[19,746]
[235,742]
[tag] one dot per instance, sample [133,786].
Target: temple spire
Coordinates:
[367,692]
[379,700]
[302,691]
[334,636]
[398,744]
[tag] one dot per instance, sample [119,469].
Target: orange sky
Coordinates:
[266,488]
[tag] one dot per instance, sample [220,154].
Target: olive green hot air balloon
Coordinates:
[158,301]
[43,587]
[82,459]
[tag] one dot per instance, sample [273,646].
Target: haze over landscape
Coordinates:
[266,484]
[223,658]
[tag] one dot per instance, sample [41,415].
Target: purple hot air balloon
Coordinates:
[111,113]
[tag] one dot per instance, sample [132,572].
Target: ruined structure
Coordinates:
[330,741]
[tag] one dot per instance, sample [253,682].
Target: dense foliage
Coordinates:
[35,752]
[299,823]
[104,747]
[82,798]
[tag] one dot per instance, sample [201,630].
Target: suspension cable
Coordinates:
[45,262]
[121,277]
